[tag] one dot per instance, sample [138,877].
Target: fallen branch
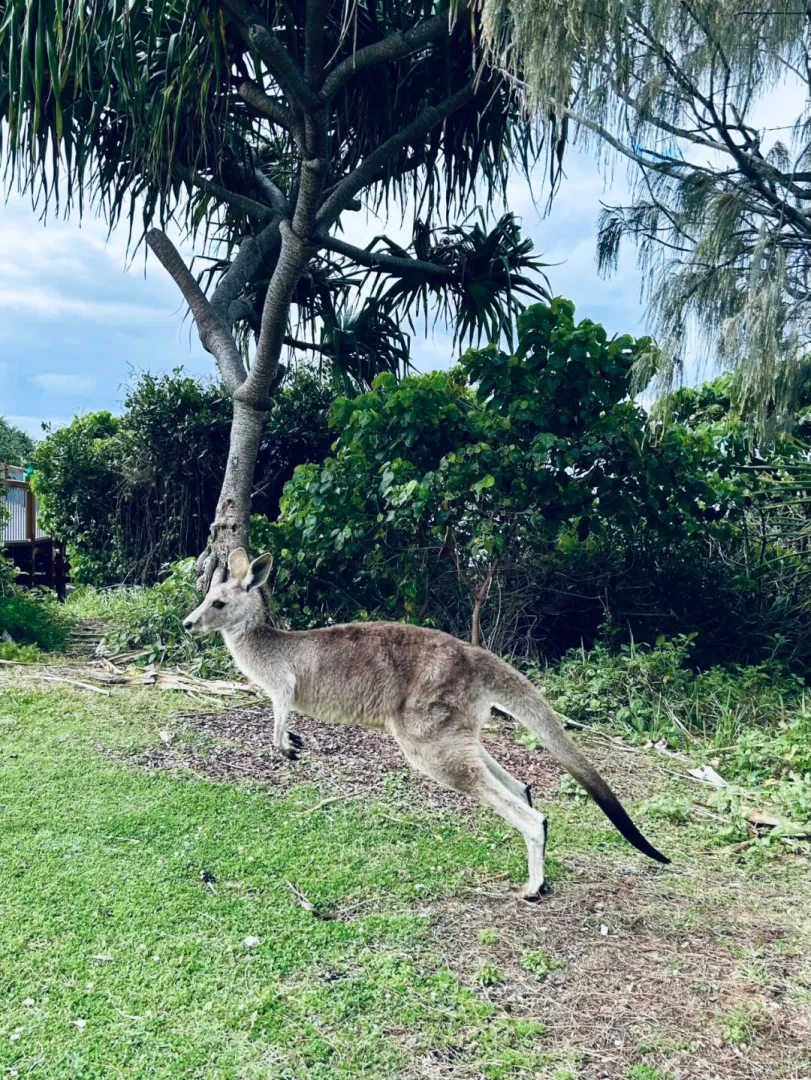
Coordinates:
[176,680]
[325,802]
[306,904]
[61,679]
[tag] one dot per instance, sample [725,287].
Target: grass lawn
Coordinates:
[152,924]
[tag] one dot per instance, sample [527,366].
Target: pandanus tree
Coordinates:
[256,128]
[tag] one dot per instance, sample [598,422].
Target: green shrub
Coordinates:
[132,494]
[150,618]
[23,654]
[34,618]
[653,692]
[8,571]
[15,446]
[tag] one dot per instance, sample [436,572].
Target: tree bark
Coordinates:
[481,595]
[229,530]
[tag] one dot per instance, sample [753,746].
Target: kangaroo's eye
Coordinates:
[218,604]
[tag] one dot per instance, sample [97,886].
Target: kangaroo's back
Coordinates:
[361,673]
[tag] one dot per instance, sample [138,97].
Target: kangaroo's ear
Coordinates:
[238,563]
[258,572]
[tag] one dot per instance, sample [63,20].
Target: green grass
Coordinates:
[99,859]
[127,896]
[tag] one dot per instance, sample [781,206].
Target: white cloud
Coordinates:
[58,382]
[51,304]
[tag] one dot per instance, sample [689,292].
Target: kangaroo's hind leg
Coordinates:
[523,791]
[454,759]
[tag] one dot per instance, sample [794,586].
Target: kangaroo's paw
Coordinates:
[289,753]
[295,740]
[528,794]
[531,896]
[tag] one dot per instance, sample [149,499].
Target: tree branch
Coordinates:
[393,47]
[389,264]
[239,202]
[272,108]
[252,252]
[347,188]
[293,258]
[256,33]
[215,335]
[315,17]
[275,196]
[308,346]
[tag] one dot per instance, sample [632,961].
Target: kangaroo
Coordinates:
[429,690]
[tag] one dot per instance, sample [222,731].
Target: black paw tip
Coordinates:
[295,739]
[538,896]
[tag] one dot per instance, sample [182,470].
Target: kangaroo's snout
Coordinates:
[188,624]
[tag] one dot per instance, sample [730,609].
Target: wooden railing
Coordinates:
[39,558]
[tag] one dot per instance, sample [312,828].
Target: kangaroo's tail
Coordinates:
[517,696]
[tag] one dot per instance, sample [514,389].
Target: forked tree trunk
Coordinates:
[296,231]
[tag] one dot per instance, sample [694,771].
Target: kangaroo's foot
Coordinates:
[524,893]
[295,740]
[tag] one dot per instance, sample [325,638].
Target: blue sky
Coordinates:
[77,319]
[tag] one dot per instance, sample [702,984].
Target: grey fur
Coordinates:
[430,691]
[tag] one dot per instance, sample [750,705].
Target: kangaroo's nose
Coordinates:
[188,624]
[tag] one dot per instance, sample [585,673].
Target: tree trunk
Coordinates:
[231,525]
[480,600]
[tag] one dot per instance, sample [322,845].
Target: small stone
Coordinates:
[252,942]
[29,1002]
[80,1024]
[603,929]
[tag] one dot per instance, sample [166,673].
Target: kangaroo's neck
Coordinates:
[249,637]
[254,649]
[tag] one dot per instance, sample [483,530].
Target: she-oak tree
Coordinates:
[259,125]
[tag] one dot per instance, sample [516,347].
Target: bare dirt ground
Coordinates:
[698,972]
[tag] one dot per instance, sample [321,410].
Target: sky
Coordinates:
[78,319]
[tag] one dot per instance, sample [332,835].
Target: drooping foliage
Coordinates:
[178,112]
[721,209]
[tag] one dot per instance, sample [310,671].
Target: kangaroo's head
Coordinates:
[235,605]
